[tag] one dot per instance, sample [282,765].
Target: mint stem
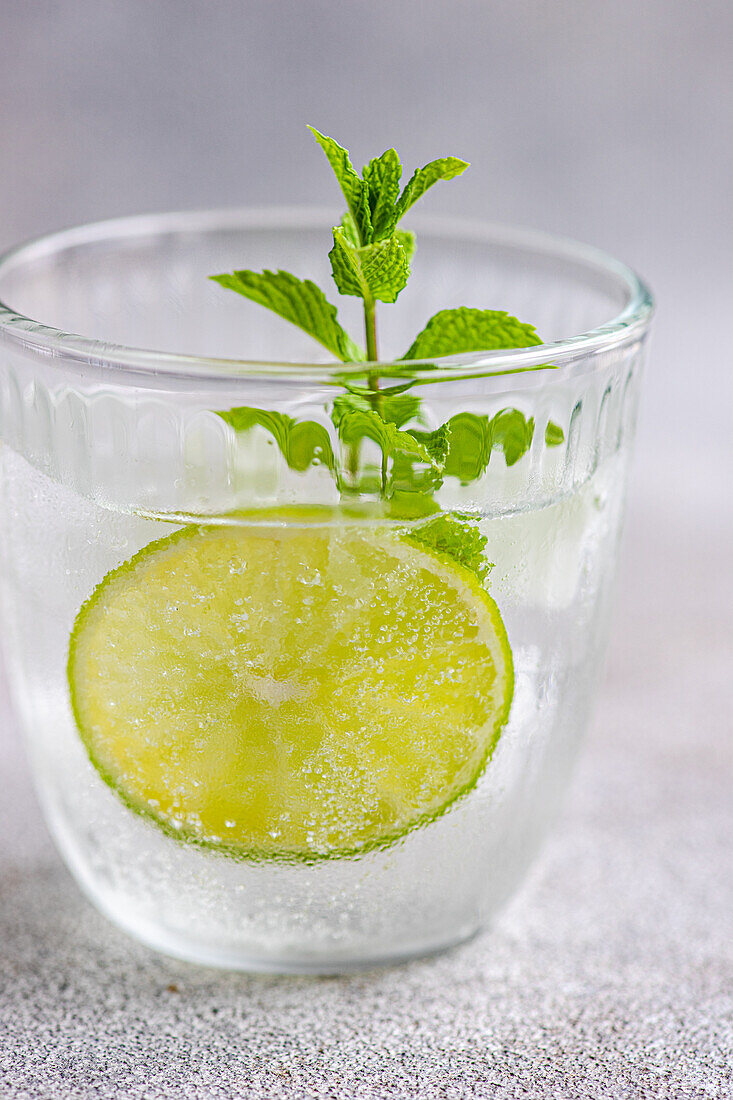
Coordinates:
[370,329]
[372,353]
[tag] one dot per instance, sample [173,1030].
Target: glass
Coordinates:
[113,440]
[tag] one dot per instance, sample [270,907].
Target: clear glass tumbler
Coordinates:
[298,698]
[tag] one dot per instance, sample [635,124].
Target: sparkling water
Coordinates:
[440,882]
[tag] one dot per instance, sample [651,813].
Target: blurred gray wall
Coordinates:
[607,120]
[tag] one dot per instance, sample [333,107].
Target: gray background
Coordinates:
[612,973]
[608,121]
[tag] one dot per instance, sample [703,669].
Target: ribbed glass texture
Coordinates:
[117,356]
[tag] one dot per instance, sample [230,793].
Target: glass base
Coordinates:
[323,958]
[319,962]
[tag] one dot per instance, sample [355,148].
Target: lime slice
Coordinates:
[289,692]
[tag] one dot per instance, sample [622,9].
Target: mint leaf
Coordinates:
[452,331]
[554,435]
[398,408]
[395,407]
[302,442]
[408,241]
[445,168]
[382,177]
[296,300]
[436,443]
[350,232]
[473,437]
[511,433]
[409,475]
[411,460]
[469,448]
[457,537]
[416,456]
[356,422]
[377,272]
[354,189]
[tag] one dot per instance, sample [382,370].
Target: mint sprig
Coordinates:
[370,259]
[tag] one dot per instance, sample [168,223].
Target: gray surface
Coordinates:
[610,975]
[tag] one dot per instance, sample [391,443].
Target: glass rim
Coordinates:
[624,328]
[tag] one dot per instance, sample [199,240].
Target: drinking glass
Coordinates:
[209,609]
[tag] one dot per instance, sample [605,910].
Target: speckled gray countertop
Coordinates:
[610,975]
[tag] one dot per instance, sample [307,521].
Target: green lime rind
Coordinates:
[119,578]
